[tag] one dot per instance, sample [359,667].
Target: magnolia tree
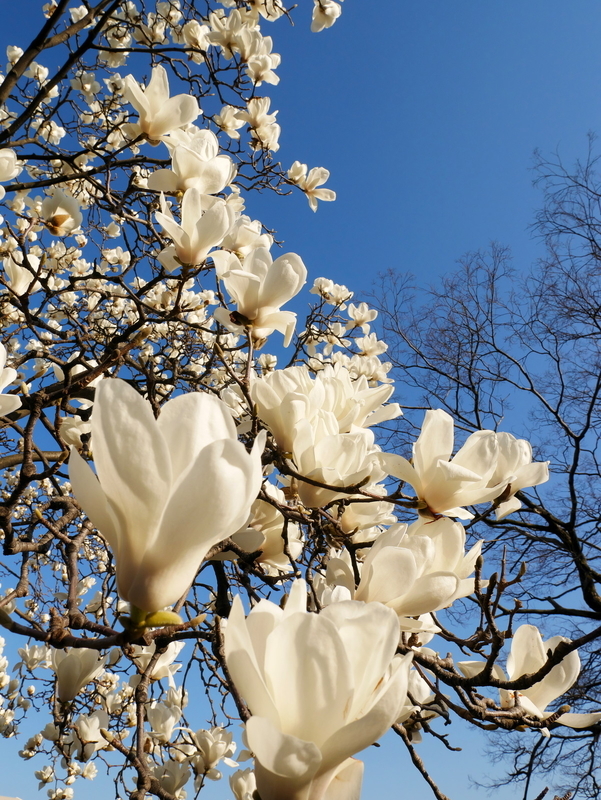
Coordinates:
[188,515]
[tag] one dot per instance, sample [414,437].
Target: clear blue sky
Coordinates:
[427,114]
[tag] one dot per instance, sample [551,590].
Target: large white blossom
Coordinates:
[167,489]
[158,112]
[528,655]
[259,287]
[321,687]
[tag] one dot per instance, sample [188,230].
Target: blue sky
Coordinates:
[427,114]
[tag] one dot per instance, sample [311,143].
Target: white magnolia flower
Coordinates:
[310,183]
[335,459]
[516,470]
[61,213]
[158,112]
[167,489]
[412,573]
[196,163]
[163,667]
[285,397]
[243,784]
[162,720]
[173,776]
[259,289]
[20,279]
[75,669]
[229,121]
[211,747]
[9,167]
[264,531]
[321,687]
[86,738]
[8,402]
[325,14]
[198,231]
[442,483]
[528,655]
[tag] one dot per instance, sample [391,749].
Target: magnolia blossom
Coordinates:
[243,784]
[442,483]
[412,573]
[336,459]
[167,489]
[158,112]
[196,163]
[528,655]
[162,720]
[325,14]
[9,167]
[321,687]
[86,737]
[259,289]
[264,531]
[163,667]
[285,397]
[173,776]
[8,402]
[310,183]
[21,280]
[61,213]
[74,669]
[516,470]
[211,747]
[199,230]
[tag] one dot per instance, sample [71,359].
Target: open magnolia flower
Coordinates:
[412,573]
[74,669]
[528,655]
[516,470]
[20,279]
[259,288]
[321,687]
[167,490]
[158,112]
[61,213]
[8,402]
[196,163]
[199,230]
[287,396]
[336,459]
[264,531]
[9,167]
[442,483]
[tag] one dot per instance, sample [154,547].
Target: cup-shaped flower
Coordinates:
[264,531]
[321,687]
[198,231]
[335,459]
[196,163]
[167,490]
[158,112]
[61,213]
[284,398]
[259,288]
[528,655]
[9,167]
[74,669]
[412,573]
[516,470]
[243,784]
[8,402]
[442,483]
[20,279]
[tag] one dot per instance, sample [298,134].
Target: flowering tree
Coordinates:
[247,537]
